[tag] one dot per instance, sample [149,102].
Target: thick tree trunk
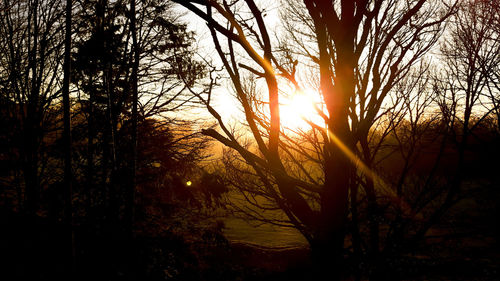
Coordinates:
[329,245]
[327,250]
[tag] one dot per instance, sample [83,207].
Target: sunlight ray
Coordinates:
[363,168]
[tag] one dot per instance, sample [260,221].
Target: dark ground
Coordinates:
[35,249]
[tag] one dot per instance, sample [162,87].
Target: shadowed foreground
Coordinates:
[31,249]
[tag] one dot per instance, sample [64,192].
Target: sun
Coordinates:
[298,109]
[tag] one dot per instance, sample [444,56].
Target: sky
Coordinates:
[295,106]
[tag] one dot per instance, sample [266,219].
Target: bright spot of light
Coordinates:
[189,183]
[303,105]
[299,107]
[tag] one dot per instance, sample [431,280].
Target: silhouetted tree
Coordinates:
[68,173]
[359,50]
[31,44]
[127,69]
[470,55]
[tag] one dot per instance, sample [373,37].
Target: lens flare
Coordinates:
[364,169]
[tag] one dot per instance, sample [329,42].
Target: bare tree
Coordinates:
[31,36]
[465,93]
[68,173]
[359,51]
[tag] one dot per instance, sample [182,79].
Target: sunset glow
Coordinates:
[249,140]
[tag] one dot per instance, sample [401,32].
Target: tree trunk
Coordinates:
[135,68]
[31,125]
[90,152]
[68,176]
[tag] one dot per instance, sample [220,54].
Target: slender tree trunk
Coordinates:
[30,173]
[356,236]
[32,122]
[372,204]
[135,68]
[68,176]
[90,152]
[372,219]
[111,128]
[103,187]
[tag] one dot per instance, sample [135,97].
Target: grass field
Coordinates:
[239,230]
